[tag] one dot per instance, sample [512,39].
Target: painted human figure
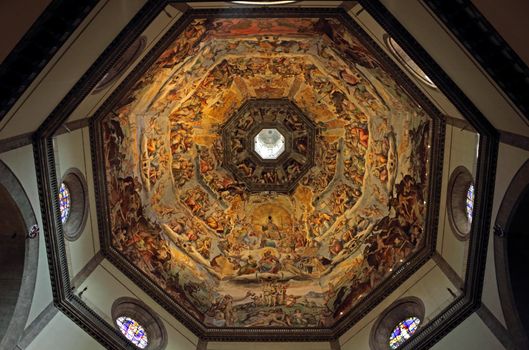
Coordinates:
[249,267]
[269,263]
[271,230]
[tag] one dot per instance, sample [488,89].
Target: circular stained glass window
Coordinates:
[133,331]
[403,331]
[470,202]
[65,202]
[460,202]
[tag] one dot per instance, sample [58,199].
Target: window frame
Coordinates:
[144,316]
[74,225]
[456,202]
[391,317]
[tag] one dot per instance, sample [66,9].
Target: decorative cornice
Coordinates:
[506,137]
[22,140]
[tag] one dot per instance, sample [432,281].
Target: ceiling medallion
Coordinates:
[268,145]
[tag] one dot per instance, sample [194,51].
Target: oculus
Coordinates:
[470,203]
[139,324]
[263,2]
[397,324]
[122,64]
[269,143]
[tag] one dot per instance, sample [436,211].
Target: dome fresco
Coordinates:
[237,255]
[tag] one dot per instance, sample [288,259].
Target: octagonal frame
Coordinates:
[95,325]
[287,187]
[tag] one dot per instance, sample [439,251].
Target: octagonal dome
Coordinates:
[203,218]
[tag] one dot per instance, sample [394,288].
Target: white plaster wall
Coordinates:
[472,334]
[360,340]
[430,285]
[106,284]
[156,29]
[69,64]
[62,334]
[461,68]
[73,150]
[364,19]
[460,150]
[22,164]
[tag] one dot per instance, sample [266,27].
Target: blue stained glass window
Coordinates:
[403,332]
[133,331]
[65,202]
[470,202]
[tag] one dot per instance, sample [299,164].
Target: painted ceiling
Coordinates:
[292,242]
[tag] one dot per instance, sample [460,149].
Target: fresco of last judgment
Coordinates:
[234,257]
